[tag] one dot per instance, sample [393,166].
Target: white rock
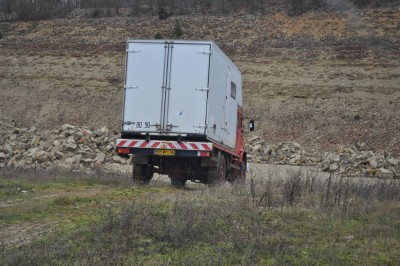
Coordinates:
[32,129]
[118,159]
[266,149]
[87,132]
[109,148]
[100,157]
[71,146]
[67,127]
[256,148]
[333,167]
[8,148]
[70,161]
[297,145]
[373,163]
[384,173]
[41,156]
[35,140]
[58,154]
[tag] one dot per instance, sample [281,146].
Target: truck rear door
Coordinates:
[166,87]
[144,78]
[186,100]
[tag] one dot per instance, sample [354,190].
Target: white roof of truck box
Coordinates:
[213,47]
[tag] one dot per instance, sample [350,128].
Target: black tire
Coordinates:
[178,183]
[142,174]
[217,175]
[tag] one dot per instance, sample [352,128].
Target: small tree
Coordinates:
[158,36]
[162,13]
[177,31]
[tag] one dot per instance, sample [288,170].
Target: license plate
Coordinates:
[165,152]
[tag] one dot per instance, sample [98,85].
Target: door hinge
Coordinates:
[131,87]
[204,52]
[132,51]
[202,89]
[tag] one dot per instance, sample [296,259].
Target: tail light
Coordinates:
[123,150]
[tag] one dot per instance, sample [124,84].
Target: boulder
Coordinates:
[58,155]
[56,143]
[7,147]
[41,156]
[87,155]
[118,159]
[100,157]
[373,163]
[35,140]
[256,148]
[393,161]
[333,167]
[384,173]
[66,127]
[70,147]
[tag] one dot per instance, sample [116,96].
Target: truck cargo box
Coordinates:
[181,89]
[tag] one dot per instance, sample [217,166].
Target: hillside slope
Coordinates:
[320,79]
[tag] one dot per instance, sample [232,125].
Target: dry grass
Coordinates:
[298,219]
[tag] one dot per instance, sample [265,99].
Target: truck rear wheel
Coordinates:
[142,174]
[217,174]
[178,183]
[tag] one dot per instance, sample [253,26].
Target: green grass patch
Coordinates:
[228,225]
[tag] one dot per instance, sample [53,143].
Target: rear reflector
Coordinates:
[123,150]
[204,153]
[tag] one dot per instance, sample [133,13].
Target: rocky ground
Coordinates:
[80,149]
[348,161]
[326,80]
[69,148]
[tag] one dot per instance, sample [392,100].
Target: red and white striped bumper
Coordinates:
[202,148]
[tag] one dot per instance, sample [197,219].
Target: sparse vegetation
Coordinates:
[48,9]
[177,30]
[298,219]
[158,36]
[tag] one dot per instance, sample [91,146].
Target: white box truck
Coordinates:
[182,112]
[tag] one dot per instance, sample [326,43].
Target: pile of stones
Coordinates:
[82,149]
[70,147]
[355,160]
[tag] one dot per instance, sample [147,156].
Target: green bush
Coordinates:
[158,36]
[177,31]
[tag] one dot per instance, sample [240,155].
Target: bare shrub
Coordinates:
[304,189]
[292,188]
[177,30]
[298,7]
